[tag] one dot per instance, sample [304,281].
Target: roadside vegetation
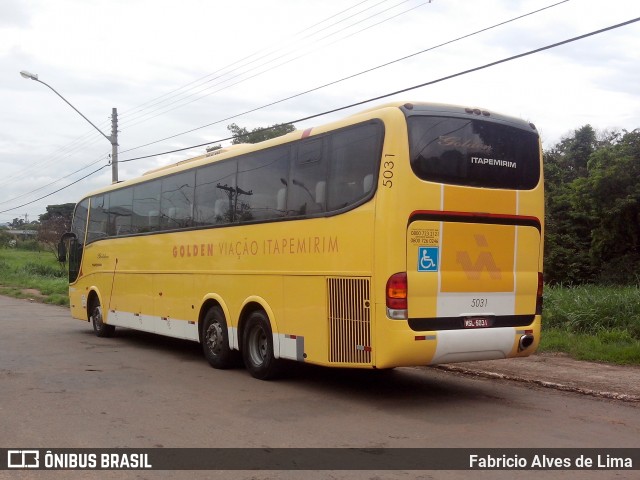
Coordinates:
[33,273]
[593,322]
[592,246]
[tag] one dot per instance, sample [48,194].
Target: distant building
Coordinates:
[22,234]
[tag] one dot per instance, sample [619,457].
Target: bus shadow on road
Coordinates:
[394,389]
[147,341]
[401,386]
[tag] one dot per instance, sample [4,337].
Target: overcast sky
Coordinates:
[174,66]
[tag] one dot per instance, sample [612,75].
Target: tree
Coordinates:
[612,192]
[568,223]
[17,223]
[592,204]
[242,135]
[63,210]
[53,224]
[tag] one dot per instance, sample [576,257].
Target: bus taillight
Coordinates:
[539,294]
[397,296]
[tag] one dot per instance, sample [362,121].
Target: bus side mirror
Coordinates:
[62,248]
[62,252]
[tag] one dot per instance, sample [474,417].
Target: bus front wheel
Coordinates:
[100,328]
[257,347]
[215,340]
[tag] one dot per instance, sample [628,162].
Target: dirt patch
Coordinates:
[32,294]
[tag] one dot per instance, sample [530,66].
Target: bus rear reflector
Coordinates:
[397,296]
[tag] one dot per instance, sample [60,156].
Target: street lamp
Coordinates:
[113,138]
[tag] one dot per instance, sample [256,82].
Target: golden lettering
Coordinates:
[270,246]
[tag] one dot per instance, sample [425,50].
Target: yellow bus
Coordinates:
[407,234]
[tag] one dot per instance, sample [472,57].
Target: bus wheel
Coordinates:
[215,340]
[257,347]
[99,327]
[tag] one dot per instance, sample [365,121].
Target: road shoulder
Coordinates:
[560,372]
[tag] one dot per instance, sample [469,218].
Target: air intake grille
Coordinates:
[349,320]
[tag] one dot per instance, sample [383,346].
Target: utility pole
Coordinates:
[113,138]
[114,145]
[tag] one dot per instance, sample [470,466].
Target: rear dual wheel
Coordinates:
[215,341]
[257,347]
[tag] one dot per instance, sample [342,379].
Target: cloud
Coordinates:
[14,13]
[172,67]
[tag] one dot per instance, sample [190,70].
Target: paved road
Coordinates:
[63,387]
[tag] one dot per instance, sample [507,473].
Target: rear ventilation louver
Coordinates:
[349,320]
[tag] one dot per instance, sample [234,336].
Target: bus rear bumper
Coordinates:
[403,346]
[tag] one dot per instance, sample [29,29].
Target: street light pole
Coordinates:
[113,138]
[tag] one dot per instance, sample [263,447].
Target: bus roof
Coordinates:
[421,108]
[408,108]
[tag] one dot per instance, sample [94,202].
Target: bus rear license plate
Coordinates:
[477,322]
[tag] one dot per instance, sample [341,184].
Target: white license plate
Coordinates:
[477,322]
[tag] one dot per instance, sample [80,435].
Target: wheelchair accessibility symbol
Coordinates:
[428,259]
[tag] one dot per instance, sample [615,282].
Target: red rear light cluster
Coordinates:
[397,289]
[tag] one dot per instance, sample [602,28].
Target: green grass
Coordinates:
[611,347]
[22,270]
[596,323]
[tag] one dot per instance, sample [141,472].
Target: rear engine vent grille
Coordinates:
[349,320]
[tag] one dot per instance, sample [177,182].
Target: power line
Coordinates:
[404,90]
[75,145]
[57,156]
[199,94]
[169,94]
[221,73]
[348,77]
[56,191]
[81,141]
[54,182]
[380,97]
[67,150]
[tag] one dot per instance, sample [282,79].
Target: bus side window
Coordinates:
[98,217]
[215,193]
[354,156]
[146,207]
[120,211]
[79,225]
[261,176]
[308,179]
[176,200]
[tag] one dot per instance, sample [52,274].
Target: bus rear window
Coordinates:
[471,152]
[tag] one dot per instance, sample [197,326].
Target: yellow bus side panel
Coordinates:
[305,315]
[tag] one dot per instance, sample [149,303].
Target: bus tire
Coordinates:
[215,340]
[100,328]
[257,347]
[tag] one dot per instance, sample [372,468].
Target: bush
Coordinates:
[43,270]
[29,245]
[5,238]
